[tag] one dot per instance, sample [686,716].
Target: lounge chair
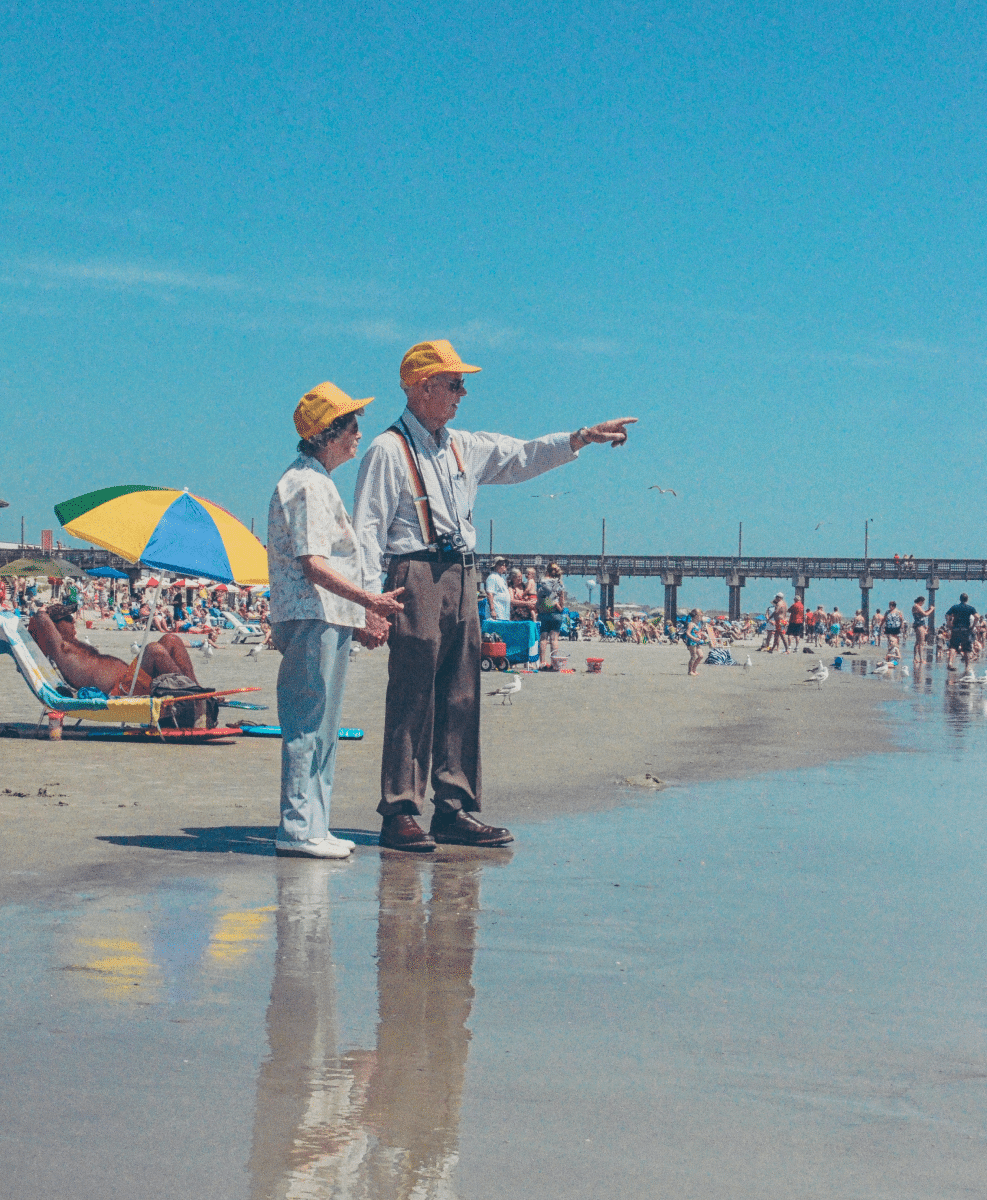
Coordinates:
[54,694]
[243,633]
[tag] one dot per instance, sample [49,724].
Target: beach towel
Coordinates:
[720,658]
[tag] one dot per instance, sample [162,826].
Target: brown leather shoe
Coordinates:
[463,829]
[404,833]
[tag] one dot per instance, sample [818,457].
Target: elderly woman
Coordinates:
[317,601]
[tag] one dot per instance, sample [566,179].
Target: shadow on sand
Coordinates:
[224,839]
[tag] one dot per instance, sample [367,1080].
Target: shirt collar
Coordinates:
[422,435]
[305,461]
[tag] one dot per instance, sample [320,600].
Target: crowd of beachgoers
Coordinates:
[183,607]
[787,628]
[201,608]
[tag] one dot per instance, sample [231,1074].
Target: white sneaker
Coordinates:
[331,837]
[312,848]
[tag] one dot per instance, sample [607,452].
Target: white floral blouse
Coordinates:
[307,516]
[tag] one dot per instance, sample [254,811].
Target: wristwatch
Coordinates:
[583,434]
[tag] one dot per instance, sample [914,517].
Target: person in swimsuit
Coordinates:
[82,665]
[894,623]
[859,628]
[796,621]
[959,624]
[920,621]
[835,626]
[694,638]
[781,623]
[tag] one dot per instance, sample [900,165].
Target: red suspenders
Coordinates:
[419,493]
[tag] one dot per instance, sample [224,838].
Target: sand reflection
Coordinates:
[374,1123]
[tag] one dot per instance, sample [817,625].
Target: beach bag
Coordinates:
[182,714]
[546,598]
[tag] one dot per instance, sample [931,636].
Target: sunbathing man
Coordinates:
[83,666]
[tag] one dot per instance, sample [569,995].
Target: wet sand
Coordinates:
[774,989]
[567,744]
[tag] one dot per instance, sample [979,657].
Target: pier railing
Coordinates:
[721,566]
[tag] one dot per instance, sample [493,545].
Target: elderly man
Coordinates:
[413,517]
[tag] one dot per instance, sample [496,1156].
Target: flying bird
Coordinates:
[508,690]
[548,495]
[655,488]
[820,525]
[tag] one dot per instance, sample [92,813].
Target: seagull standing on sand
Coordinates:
[135,646]
[255,650]
[819,673]
[207,650]
[748,664]
[508,690]
[882,668]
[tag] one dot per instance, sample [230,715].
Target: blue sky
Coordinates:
[758,228]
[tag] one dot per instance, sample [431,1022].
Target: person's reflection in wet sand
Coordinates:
[424,975]
[368,1124]
[303,1128]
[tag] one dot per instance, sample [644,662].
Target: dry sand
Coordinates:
[568,743]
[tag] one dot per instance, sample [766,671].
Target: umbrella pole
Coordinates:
[147,634]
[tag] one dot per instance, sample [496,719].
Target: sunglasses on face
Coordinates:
[454,385]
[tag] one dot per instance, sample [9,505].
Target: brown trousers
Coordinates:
[433,690]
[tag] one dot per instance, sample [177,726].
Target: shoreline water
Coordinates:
[567,744]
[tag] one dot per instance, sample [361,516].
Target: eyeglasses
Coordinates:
[454,385]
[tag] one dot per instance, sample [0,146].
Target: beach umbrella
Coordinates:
[106,573]
[53,568]
[168,529]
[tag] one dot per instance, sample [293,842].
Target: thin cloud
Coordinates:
[127,276]
[384,331]
[915,346]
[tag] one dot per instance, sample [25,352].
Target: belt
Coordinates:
[443,556]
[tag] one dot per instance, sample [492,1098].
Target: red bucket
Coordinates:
[594,665]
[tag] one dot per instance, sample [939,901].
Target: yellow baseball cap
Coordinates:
[321,406]
[432,358]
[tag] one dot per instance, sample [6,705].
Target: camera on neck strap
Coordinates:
[451,546]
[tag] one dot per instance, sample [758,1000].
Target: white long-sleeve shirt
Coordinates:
[384,514]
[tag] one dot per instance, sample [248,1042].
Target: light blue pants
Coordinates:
[315,658]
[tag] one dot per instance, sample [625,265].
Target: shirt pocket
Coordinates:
[461,494]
